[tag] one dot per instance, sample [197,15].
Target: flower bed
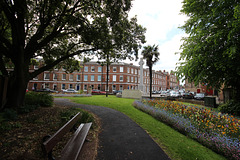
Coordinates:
[220,132]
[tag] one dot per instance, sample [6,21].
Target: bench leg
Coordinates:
[49,154]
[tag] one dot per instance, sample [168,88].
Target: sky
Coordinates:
[161,18]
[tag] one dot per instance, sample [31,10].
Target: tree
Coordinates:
[57,31]
[212,49]
[151,54]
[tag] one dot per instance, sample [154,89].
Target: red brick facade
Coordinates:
[121,76]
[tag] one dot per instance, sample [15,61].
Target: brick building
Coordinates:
[121,76]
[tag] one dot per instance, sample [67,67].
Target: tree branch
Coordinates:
[49,66]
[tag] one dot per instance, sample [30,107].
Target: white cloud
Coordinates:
[159,17]
[168,58]
[162,19]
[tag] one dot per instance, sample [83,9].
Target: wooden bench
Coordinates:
[72,148]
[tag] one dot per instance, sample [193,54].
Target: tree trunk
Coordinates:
[150,74]
[17,85]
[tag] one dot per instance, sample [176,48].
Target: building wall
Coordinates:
[121,76]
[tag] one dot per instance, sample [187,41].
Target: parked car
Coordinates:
[199,96]
[95,91]
[187,96]
[164,94]
[46,90]
[69,91]
[175,94]
[117,91]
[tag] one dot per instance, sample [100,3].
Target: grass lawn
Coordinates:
[176,145]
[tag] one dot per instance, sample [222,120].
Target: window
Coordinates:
[99,69]
[70,86]
[63,86]
[121,69]
[71,77]
[78,77]
[54,87]
[128,79]
[92,77]
[135,71]
[85,77]
[92,69]
[54,76]
[46,76]
[121,78]
[132,70]
[131,79]
[114,87]
[114,69]
[120,87]
[128,70]
[46,85]
[99,77]
[114,78]
[86,69]
[135,79]
[35,66]
[63,76]
[85,87]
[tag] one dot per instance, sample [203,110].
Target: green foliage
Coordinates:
[66,115]
[38,99]
[28,108]
[61,31]
[211,51]
[231,107]
[151,54]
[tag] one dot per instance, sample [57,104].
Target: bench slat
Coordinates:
[74,145]
[53,140]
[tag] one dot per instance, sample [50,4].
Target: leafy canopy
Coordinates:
[57,31]
[212,49]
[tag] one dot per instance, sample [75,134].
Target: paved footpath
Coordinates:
[120,138]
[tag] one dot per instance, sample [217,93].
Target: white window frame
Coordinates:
[114,87]
[99,69]
[55,76]
[64,86]
[114,69]
[114,78]
[70,77]
[85,68]
[85,77]
[121,69]
[92,68]
[63,77]
[92,77]
[45,74]
[78,77]
[121,78]
[99,77]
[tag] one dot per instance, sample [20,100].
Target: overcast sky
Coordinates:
[161,18]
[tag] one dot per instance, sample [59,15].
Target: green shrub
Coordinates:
[40,99]
[28,108]
[230,107]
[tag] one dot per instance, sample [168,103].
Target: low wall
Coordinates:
[135,94]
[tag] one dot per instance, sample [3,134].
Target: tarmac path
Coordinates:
[120,138]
